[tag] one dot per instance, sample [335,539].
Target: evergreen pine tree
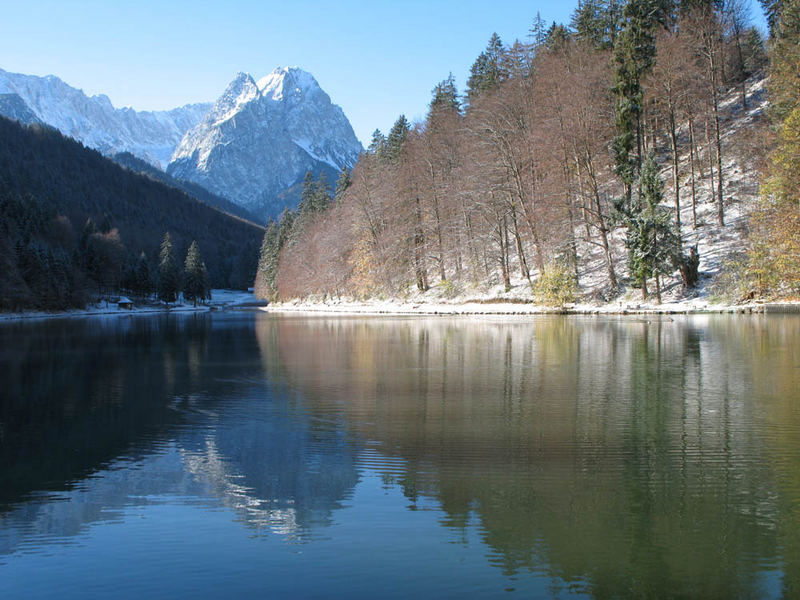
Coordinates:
[342,183]
[286,226]
[268,263]
[195,285]
[634,55]
[487,72]
[538,31]
[377,145]
[557,37]
[652,240]
[772,9]
[445,97]
[589,23]
[322,193]
[144,276]
[82,250]
[168,274]
[308,195]
[396,138]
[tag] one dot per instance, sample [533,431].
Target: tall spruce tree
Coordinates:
[538,31]
[286,225]
[322,195]
[268,263]
[169,277]
[195,286]
[445,97]
[396,138]
[487,72]
[377,144]
[653,242]
[144,276]
[634,56]
[342,183]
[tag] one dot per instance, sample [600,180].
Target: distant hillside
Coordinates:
[50,185]
[131,162]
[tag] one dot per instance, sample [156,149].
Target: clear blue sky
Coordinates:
[376,58]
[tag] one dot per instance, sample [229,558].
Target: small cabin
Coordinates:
[125,303]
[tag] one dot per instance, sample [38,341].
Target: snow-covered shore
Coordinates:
[694,306]
[220,300]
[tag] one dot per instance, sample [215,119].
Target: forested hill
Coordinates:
[129,161]
[50,185]
[615,157]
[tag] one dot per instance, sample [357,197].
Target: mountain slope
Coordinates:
[151,136]
[260,138]
[129,161]
[51,184]
[14,107]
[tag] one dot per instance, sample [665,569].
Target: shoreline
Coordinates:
[525,309]
[405,309]
[99,312]
[222,300]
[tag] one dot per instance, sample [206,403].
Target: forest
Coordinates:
[584,152]
[75,226]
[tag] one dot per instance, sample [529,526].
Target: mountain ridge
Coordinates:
[95,122]
[262,136]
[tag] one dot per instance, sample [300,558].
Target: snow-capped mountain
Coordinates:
[261,137]
[152,136]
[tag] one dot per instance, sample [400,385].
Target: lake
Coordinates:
[226,455]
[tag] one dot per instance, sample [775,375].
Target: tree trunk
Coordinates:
[691,160]
[673,135]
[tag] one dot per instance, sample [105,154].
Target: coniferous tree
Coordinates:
[396,138]
[322,193]
[82,250]
[144,276]
[772,9]
[652,240]
[445,97]
[168,273]
[342,183]
[308,195]
[286,226]
[195,285]
[774,253]
[268,263]
[755,52]
[538,31]
[487,72]
[377,144]
[634,55]
[589,23]
[557,37]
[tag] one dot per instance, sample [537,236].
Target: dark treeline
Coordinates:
[198,192]
[551,159]
[75,225]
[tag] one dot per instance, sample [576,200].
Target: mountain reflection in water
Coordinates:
[605,457]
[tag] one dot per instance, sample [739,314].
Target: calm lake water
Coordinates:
[241,454]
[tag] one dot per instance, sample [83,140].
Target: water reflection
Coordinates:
[622,456]
[98,415]
[625,457]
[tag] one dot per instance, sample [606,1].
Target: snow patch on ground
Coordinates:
[715,244]
[220,300]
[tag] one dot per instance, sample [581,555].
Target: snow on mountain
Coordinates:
[14,107]
[261,137]
[149,135]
